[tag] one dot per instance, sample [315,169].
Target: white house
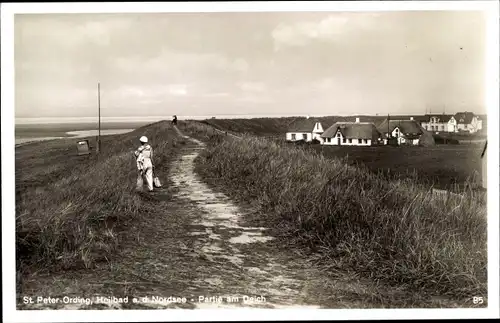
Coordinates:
[351,134]
[440,123]
[306,129]
[468,121]
[407,132]
[484,165]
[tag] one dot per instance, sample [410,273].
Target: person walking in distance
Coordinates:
[144,158]
[174,121]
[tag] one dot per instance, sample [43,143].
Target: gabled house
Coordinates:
[351,134]
[468,121]
[406,132]
[440,123]
[306,129]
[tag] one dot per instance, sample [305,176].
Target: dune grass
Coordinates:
[69,208]
[394,231]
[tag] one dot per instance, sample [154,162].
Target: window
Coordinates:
[360,141]
[344,140]
[304,136]
[350,141]
[293,136]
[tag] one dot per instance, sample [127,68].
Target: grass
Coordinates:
[69,209]
[352,219]
[255,126]
[71,212]
[450,167]
[444,167]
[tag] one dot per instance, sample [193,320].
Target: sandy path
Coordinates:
[241,268]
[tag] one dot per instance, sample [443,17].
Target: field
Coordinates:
[256,126]
[392,231]
[75,216]
[275,126]
[442,166]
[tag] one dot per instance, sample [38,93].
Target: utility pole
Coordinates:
[99,112]
[388,129]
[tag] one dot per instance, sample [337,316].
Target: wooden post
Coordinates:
[99,113]
[388,129]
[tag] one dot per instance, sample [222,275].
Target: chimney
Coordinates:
[411,118]
[357,120]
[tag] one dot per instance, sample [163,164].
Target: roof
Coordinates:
[484,149]
[421,118]
[442,117]
[408,117]
[303,125]
[406,126]
[465,116]
[361,130]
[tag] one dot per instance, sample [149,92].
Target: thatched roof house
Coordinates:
[351,133]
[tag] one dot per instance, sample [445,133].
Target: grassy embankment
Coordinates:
[394,231]
[255,126]
[442,166]
[69,208]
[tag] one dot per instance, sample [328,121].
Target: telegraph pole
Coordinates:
[99,112]
[388,128]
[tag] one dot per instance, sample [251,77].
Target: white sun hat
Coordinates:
[143,139]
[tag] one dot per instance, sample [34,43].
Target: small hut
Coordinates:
[484,164]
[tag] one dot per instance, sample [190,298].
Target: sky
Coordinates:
[289,63]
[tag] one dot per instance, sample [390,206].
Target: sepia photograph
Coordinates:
[226,160]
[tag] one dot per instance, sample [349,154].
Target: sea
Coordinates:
[41,129]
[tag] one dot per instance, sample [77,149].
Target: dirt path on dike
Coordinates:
[239,266]
[211,260]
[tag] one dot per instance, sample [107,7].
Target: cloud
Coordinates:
[240,65]
[131,92]
[173,65]
[177,89]
[217,95]
[252,86]
[147,62]
[336,25]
